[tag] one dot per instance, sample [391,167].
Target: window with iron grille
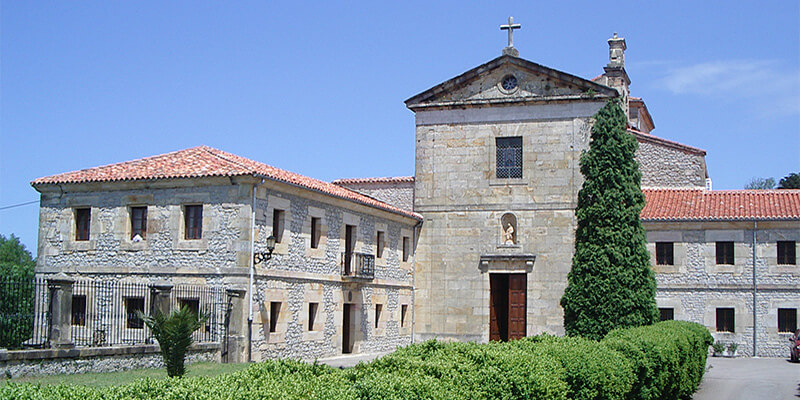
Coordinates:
[786,252]
[725,320]
[787,320]
[83,218]
[79,310]
[193,218]
[664,253]
[132,305]
[509,157]
[138,222]
[725,253]
[667,314]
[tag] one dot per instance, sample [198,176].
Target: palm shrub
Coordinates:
[610,284]
[174,335]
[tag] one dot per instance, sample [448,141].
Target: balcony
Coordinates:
[358,265]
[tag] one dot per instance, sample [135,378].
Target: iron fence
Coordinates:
[24,313]
[104,312]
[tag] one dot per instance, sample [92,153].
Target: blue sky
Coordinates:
[318,88]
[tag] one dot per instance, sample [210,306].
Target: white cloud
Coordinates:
[774,88]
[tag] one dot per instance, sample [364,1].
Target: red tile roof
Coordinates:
[721,205]
[204,161]
[647,137]
[390,179]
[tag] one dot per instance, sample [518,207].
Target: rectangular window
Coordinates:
[667,314]
[193,220]
[786,252]
[316,224]
[725,253]
[138,222]
[403,312]
[132,305]
[192,304]
[406,248]
[378,310]
[277,224]
[509,157]
[79,310]
[664,253]
[274,314]
[787,320]
[312,315]
[380,242]
[725,320]
[83,218]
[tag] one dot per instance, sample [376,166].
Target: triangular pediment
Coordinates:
[525,81]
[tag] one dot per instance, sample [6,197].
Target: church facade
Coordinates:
[476,246]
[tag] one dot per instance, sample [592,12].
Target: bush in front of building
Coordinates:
[668,358]
[661,361]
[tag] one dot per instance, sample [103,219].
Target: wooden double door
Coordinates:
[508,306]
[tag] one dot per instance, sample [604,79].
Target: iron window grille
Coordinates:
[787,320]
[509,157]
[194,221]
[666,314]
[725,253]
[83,217]
[725,320]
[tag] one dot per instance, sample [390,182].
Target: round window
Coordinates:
[509,82]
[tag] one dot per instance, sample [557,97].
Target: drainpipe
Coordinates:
[252,272]
[414,280]
[755,289]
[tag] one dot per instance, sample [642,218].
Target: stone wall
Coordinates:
[399,193]
[222,256]
[463,202]
[695,285]
[665,166]
[19,363]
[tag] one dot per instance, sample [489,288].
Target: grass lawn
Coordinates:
[123,377]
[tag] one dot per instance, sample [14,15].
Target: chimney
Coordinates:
[616,77]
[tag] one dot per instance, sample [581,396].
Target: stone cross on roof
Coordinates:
[510,50]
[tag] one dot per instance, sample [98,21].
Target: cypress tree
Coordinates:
[611,284]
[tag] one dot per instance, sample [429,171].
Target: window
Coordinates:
[274,314]
[725,253]
[83,218]
[664,253]
[316,224]
[509,157]
[132,305]
[138,222]
[403,313]
[79,310]
[193,218]
[406,248]
[312,315]
[378,310]
[192,304]
[786,252]
[787,320]
[380,243]
[667,314]
[277,224]
[725,320]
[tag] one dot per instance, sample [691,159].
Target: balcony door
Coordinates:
[349,248]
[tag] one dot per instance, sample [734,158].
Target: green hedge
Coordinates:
[661,361]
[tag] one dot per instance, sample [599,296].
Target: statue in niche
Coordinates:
[509,226]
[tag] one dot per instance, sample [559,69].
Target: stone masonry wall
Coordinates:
[398,194]
[695,285]
[664,166]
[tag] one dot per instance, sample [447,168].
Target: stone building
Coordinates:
[476,246]
[339,278]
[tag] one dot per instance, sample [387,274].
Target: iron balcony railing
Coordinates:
[358,265]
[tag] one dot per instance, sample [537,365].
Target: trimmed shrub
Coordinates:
[661,361]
